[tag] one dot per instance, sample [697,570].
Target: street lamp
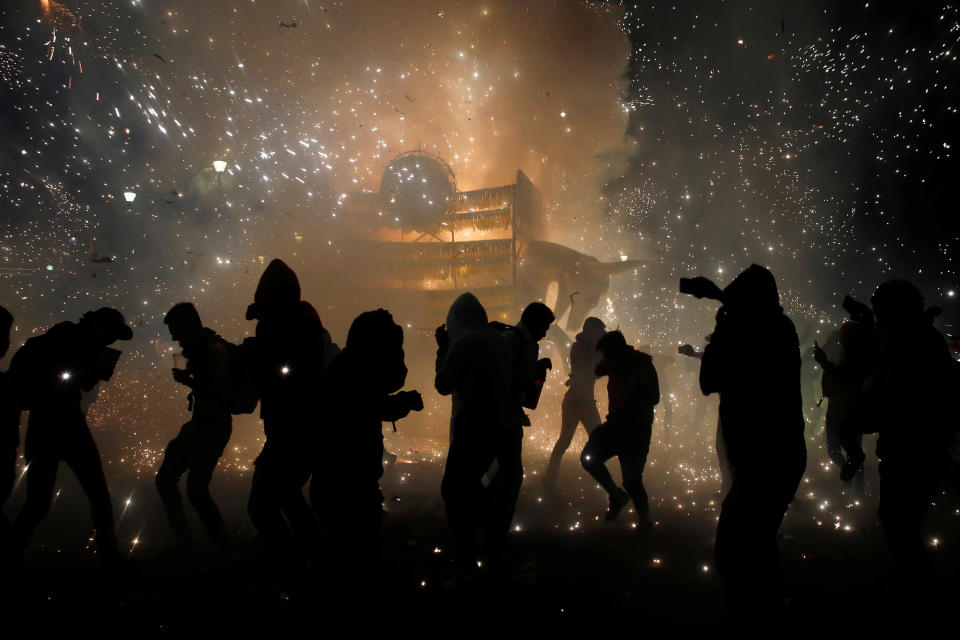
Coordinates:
[219,165]
[129,196]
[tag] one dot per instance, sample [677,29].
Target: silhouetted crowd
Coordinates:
[887,370]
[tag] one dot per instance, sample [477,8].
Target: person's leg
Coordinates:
[832,434]
[747,554]
[600,447]
[208,446]
[569,416]
[851,439]
[604,443]
[175,463]
[264,510]
[41,476]
[302,518]
[590,416]
[464,496]
[632,462]
[903,505]
[732,542]
[83,457]
[505,485]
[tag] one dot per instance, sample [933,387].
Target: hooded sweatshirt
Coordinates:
[632,385]
[475,370]
[289,360]
[584,359]
[753,362]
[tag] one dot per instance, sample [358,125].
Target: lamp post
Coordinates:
[129,196]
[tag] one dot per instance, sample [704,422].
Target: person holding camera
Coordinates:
[905,399]
[753,362]
[632,390]
[51,372]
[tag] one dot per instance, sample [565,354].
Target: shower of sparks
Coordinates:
[159,152]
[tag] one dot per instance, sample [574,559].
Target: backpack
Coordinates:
[243,396]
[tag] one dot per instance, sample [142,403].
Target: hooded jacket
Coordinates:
[476,370]
[358,397]
[632,385]
[753,362]
[289,355]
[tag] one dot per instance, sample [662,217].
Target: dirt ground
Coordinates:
[569,574]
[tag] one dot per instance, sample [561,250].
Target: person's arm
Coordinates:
[399,405]
[218,367]
[602,368]
[689,351]
[448,370]
[713,364]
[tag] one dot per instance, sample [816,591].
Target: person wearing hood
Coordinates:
[473,366]
[633,391]
[50,373]
[361,392]
[579,404]
[753,362]
[287,365]
[905,400]
[201,441]
[846,360]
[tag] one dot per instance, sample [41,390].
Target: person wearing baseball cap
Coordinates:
[51,372]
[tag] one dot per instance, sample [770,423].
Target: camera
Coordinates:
[858,311]
[701,287]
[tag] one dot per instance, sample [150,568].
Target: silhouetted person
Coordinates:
[579,404]
[529,372]
[473,365]
[842,382]
[359,395]
[830,356]
[9,427]
[287,355]
[201,441]
[753,362]
[632,392]
[50,373]
[906,400]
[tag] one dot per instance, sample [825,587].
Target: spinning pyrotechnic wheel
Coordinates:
[424,242]
[419,188]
